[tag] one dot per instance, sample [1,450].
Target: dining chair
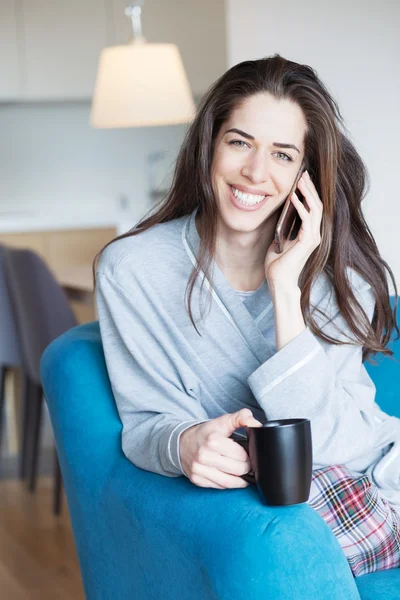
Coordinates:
[42,313]
[10,358]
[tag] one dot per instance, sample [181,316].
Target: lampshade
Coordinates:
[141,84]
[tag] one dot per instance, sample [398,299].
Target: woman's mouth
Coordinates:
[246,201]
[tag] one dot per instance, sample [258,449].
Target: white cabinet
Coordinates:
[49,49]
[10,71]
[62,43]
[196,27]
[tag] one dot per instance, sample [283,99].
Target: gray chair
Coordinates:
[42,313]
[10,357]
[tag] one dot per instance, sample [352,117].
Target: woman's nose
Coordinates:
[257,168]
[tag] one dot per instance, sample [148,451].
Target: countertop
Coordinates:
[27,221]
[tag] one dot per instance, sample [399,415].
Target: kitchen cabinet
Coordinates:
[62,42]
[49,49]
[33,241]
[65,248]
[10,67]
[76,247]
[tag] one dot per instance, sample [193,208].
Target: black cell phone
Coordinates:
[289,221]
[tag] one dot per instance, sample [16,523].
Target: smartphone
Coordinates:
[289,221]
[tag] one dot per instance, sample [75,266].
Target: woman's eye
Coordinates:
[283,154]
[238,143]
[234,142]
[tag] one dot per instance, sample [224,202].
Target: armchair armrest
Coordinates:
[201,543]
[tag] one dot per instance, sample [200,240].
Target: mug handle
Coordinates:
[244,442]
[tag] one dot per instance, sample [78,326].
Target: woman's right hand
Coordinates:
[210,458]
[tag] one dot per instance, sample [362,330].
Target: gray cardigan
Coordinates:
[165,377]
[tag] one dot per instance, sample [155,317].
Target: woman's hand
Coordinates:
[210,458]
[284,269]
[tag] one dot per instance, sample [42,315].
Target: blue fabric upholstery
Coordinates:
[145,536]
[386,376]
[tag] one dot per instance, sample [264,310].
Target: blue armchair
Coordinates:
[143,536]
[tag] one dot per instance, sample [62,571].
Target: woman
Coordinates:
[285,335]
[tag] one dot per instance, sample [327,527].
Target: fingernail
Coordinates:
[308,175]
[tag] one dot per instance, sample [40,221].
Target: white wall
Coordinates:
[355,49]
[53,163]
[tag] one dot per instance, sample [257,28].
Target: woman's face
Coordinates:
[254,160]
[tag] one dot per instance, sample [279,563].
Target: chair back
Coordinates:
[41,307]
[10,353]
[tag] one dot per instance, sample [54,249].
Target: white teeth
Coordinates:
[248,199]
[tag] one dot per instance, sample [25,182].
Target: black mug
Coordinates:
[281,460]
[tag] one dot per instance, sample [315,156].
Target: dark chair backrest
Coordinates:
[10,354]
[41,307]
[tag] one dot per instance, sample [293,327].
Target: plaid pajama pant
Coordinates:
[366,526]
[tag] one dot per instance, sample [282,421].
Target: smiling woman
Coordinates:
[300,113]
[184,380]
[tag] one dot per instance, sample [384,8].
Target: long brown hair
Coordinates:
[338,174]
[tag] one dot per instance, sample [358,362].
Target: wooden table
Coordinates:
[77,282]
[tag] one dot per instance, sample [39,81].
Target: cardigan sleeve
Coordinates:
[155,403]
[329,385]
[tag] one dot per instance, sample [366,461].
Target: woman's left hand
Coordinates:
[284,269]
